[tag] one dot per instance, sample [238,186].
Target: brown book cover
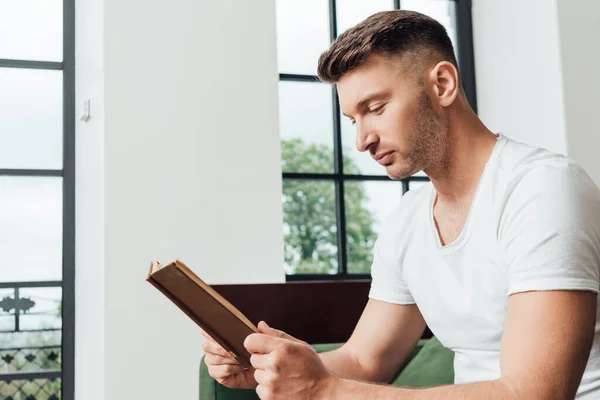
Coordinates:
[207,308]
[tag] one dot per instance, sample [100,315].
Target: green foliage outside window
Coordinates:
[310,216]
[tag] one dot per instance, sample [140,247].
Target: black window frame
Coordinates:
[67,173]
[465,56]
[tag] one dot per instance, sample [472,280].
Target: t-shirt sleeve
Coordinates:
[387,283]
[550,231]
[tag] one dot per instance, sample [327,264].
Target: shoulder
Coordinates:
[546,188]
[528,171]
[551,179]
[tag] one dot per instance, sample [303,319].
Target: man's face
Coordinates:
[393,116]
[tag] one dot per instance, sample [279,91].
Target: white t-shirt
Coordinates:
[534,224]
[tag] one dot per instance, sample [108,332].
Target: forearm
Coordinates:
[343,365]
[491,390]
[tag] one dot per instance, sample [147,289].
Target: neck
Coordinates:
[457,173]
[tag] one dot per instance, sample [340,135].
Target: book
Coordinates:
[212,312]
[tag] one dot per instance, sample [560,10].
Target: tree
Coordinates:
[310,217]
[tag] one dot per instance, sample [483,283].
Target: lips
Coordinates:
[383,158]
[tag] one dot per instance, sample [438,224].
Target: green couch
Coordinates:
[430,364]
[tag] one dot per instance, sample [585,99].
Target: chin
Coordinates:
[398,171]
[396,174]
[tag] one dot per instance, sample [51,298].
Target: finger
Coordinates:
[263,327]
[261,361]
[203,333]
[260,343]
[211,347]
[214,359]
[224,371]
[265,378]
[263,392]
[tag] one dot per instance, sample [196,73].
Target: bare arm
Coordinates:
[545,348]
[383,338]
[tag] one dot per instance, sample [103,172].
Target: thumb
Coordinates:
[263,327]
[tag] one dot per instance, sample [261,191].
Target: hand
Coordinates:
[287,368]
[224,368]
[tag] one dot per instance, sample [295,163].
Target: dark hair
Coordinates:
[397,33]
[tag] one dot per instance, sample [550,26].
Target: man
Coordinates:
[499,255]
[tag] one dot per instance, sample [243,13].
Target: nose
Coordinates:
[365,137]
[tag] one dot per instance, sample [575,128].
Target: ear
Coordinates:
[445,84]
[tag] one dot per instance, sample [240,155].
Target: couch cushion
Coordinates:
[432,366]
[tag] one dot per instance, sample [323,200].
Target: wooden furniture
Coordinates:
[316,312]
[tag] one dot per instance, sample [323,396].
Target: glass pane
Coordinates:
[309,227]
[39,389]
[7,323]
[355,162]
[45,308]
[443,11]
[306,126]
[302,35]
[7,312]
[30,119]
[25,340]
[351,12]
[414,185]
[31,29]
[30,229]
[368,204]
[31,359]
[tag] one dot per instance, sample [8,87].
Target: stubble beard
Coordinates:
[429,134]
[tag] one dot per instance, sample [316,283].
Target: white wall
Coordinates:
[579,27]
[535,64]
[89,222]
[518,71]
[183,161]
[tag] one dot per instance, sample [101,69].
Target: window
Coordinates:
[335,198]
[37,197]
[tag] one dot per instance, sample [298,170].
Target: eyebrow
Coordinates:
[370,98]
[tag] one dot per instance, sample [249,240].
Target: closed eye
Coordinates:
[372,111]
[377,109]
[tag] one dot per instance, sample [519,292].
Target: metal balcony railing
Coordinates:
[30,371]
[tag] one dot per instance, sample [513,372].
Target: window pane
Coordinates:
[30,119]
[355,162]
[30,229]
[28,339]
[302,35]
[309,227]
[306,126]
[367,204]
[29,389]
[7,319]
[31,29]
[45,311]
[32,359]
[443,11]
[7,323]
[351,12]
